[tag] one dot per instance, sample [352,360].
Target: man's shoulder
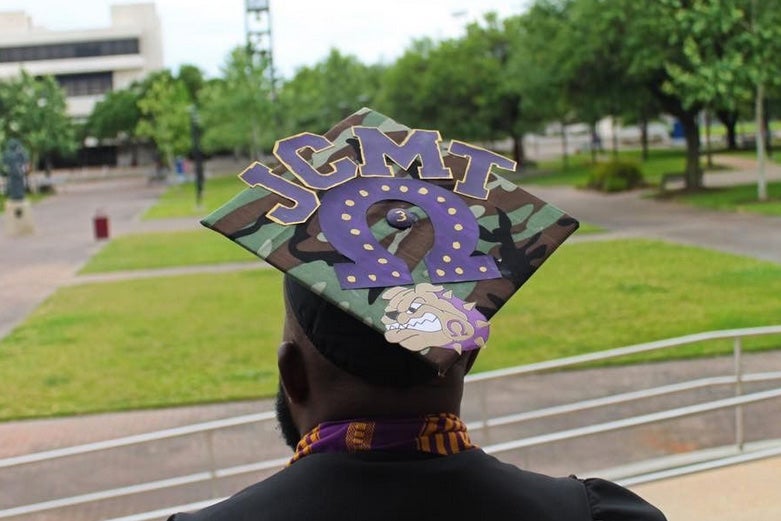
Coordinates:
[466,485]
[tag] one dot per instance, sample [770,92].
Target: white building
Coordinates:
[86,63]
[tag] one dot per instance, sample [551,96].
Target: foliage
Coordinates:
[165,117]
[463,86]
[323,94]
[615,176]
[237,111]
[192,78]
[116,115]
[142,343]
[33,110]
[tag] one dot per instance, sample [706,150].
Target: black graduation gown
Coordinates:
[373,486]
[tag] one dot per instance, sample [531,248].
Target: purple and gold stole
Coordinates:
[442,434]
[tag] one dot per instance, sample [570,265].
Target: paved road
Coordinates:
[31,268]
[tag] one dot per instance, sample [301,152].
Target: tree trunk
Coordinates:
[760,139]
[729,118]
[644,136]
[47,164]
[596,143]
[615,137]
[708,151]
[519,154]
[691,132]
[564,152]
[767,133]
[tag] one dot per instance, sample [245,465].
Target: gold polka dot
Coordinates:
[446,258]
[346,217]
[350,278]
[368,247]
[382,260]
[440,199]
[423,190]
[385,188]
[456,245]
[451,211]
[403,189]
[355,231]
[372,277]
[483,269]
[460,271]
[349,202]
[441,273]
[458,227]
[396,274]
[363,193]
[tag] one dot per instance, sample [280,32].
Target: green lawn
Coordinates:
[660,162]
[179,200]
[205,338]
[737,199]
[163,250]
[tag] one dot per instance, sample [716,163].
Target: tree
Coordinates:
[461,86]
[34,111]
[192,78]
[541,68]
[116,117]
[237,110]
[165,118]
[763,43]
[318,96]
[401,86]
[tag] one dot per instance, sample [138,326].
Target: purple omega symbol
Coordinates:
[342,216]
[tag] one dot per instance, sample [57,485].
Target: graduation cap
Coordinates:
[415,238]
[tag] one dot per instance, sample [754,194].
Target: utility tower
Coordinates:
[257,23]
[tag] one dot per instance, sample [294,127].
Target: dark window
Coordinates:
[58,51]
[85,84]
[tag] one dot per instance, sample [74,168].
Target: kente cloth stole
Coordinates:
[441,434]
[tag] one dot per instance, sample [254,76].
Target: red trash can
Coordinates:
[100,225]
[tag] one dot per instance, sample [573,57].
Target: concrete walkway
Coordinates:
[32,268]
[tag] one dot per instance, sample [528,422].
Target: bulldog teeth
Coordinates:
[428,323]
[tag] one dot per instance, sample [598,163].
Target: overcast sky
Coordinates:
[202,32]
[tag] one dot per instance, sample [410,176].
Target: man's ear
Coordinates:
[292,371]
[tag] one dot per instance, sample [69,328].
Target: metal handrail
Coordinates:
[543,439]
[615,399]
[208,428]
[634,421]
[559,363]
[126,441]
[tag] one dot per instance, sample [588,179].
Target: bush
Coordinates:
[615,176]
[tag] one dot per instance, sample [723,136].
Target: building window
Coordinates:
[63,51]
[85,84]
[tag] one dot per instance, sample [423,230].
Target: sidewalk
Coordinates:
[32,268]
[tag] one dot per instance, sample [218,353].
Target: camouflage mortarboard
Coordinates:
[418,239]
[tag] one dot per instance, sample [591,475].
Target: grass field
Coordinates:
[737,199]
[179,200]
[205,338]
[163,250]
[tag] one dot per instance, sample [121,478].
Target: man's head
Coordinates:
[397,251]
[334,367]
